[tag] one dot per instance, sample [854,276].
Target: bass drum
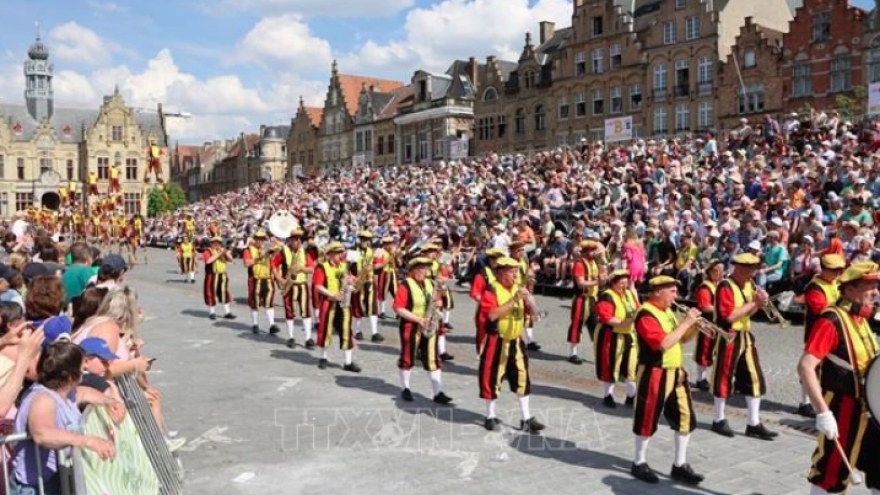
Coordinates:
[872,390]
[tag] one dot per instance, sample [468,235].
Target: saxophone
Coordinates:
[365,275]
[292,272]
[347,291]
[432,316]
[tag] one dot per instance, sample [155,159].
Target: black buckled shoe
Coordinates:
[212,317]
[274,330]
[377,338]
[806,410]
[291,343]
[761,432]
[359,336]
[310,344]
[702,385]
[608,402]
[685,474]
[575,360]
[644,472]
[406,395]
[630,402]
[442,399]
[255,329]
[322,364]
[446,357]
[533,346]
[353,368]
[722,428]
[491,423]
[449,326]
[531,425]
[229,316]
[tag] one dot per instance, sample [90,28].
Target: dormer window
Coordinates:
[423,90]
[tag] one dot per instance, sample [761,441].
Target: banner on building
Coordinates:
[458,149]
[619,129]
[874,99]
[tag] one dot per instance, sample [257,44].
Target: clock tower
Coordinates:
[38,74]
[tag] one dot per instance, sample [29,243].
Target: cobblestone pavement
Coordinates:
[262,418]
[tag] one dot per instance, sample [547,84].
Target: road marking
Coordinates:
[244,477]
[198,343]
[214,435]
[288,382]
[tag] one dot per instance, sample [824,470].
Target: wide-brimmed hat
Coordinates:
[863,270]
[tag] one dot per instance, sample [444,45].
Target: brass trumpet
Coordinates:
[705,326]
[774,315]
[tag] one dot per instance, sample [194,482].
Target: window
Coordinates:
[841,73]
[597,26]
[680,4]
[704,76]
[483,129]
[70,170]
[661,126]
[132,202]
[45,164]
[491,94]
[19,163]
[692,28]
[659,83]
[704,114]
[563,107]
[520,121]
[502,126]
[527,80]
[874,65]
[117,132]
[424,145]
[439,148]
[380,145]
[598,102]
[682,118]
[635,97]
[749,59]
[802,79]
[103,168]
[753,99]
[562,140]
[580,105]
[131,169]
[358,142]
[580,64]
[670,34]
[540,118]
[23,200]
[408,148]
[682,78]
[391,143]
[616,100]
[2,167]
[821,27]
[598,61]
[4,204]
[615,56]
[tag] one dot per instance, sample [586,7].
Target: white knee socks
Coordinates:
[524,408]
[446,317]
[436,381]
[631,389]
[270,315]
[255,317]
[382,308]
[211,310]
[324,353]
[374,325]
[307,327]
[681,446]
[404,378]
[701,372]
[441,344]
[641,455]
[348,355]
[529,337]
[490,408]
[574,350]
[227,309]
[754,404]
[719,409]
[357,325]
[289,329]
[609,389]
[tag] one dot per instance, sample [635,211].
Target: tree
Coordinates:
[850,104]
[165,200]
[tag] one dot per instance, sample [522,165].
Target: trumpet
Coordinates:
[705,326]
[774,315]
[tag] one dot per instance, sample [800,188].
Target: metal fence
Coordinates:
[69,462]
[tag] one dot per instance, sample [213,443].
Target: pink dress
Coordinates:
[635,261]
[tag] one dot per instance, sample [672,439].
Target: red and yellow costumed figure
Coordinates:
[114,180]
[93,184]
[154,161]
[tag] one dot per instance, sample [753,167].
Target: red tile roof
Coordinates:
[351,88]
[315,115]
[249,139]
[400,96]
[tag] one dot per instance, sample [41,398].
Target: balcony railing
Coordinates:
[659,94]
[704,88]
[682,91]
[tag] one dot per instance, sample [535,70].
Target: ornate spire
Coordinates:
[528,49]
[38,50]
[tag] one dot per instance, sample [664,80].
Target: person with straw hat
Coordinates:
[186,259]
[587,278]
[821,293]
[334,317]
[291,271]
[705,298]
[662,380]
[615,349]
[837,354]
[412,304]
[261,289]
[366,303]
[216,288]
[525,278]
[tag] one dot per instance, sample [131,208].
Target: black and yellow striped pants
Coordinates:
[414,345]
[334,319]
[216,290]
[663,391]
[261,293]
[737,362]
[502,359]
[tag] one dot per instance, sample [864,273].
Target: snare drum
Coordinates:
[872,390]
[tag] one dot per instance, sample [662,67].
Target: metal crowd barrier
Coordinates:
[70,470]
[164,463]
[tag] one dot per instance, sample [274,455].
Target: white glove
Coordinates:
[827,424]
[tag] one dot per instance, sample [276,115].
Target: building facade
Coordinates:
[302,142]
[871,45]
[375,134]
[267,159]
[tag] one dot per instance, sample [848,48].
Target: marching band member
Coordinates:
[261,291]
[705,297]
[93,184]
[412,302]
[114,180]
[616,350]
[483,281]
[662,380]
[504,353]
[387,281]
[216,290]
[587,278]
[822,292]
[290,263]
[440,275]
[525,278]
[840,344]
[186,258]
[330,279]
[365,305]
[189,227]
[736,300]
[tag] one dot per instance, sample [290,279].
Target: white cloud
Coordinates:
[107,7]
[72,43]
[285,41]
[339,8]
[457,29]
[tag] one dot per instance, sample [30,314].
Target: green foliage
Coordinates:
[850,104]
[165,200]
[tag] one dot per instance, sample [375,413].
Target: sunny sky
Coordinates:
[236,64]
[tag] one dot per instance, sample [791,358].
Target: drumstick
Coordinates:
[854,476]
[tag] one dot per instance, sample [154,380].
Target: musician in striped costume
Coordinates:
[261,290]
[216,290]
[616,350]
[525,278]
[842,346]
[387,266]
[736,300]
[587,279]
[440,275]
[412,302]
[484,279]
[334,317]
[295,286]
[504,355]
[186,258]
[365,301]
[705,298]
[662,380]
[821,293]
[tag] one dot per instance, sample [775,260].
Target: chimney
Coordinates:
[472,71]
[547,30]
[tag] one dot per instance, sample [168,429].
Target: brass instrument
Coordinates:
[347,291]
[537,313]
[774,315]
[432,316]
[705,326]
[290,280]
[365,274]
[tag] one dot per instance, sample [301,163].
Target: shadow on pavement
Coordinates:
[301,357]
[196,313]
[176,281]
[544,356]
[233,325]
[368,346]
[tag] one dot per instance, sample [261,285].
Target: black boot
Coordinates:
[644,472]
[255,329]
[406,395]
[291,343]
[608,402]
[359,336]
[310,344]
[446,357]
[353,368]
[442,399]
[531,425]
[377,338]
[702,385]
[722,428]
[761,432]
[533,346]
[212,317]
[273,330]
[806,410]
[685,474]
[322,364]
[575,360]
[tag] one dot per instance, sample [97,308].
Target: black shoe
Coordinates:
[212,317]
[192,281]
[382,316]
[322,364]
[722,428]
[685,474]
[630,402]
[449,326]
[442,399]
[229,316]
[376,338]
[352,368]
[406,395]
[531,425]
[533,346]
[310,344]
[291,343]
[255,329]
[359,336]
[274,330]
[761,432]
[644,472]
[575,360]
[702,385]
[608,402]
[446,357]
[806,410]
[491,423]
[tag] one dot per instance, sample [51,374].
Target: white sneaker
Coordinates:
[175,444]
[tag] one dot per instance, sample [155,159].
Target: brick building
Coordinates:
[375,134]
[302,142]
[871,45]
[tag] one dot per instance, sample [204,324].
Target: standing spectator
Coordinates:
[76,277]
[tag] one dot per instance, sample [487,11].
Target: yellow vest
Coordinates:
[334,276]
[114,173]
[390,262]
[591,272]
[260,269]
[863,343]
[684,255]
[490,276]
[220,266]
[623,307]
[672,357]
[830,289]
[510,327]
[740,298]
[186,250]
[190,225]
[298,258]
[418,296]
[522,272]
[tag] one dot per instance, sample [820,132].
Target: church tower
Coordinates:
[38,75]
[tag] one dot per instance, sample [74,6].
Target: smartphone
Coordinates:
[150,361]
